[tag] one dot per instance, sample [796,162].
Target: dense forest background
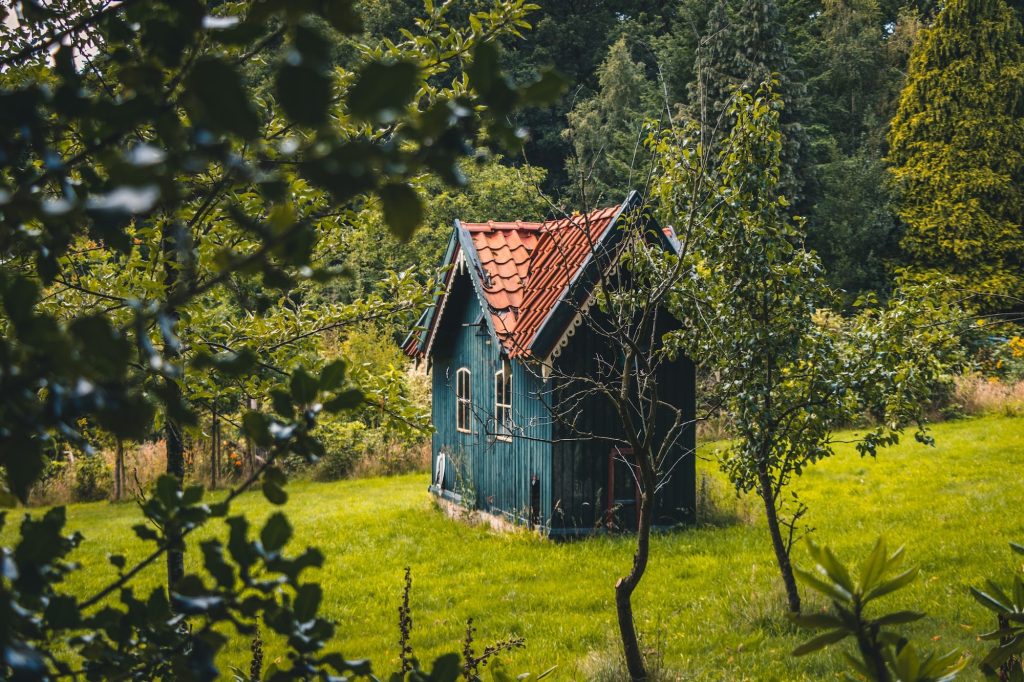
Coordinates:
[902,160]
[842,65]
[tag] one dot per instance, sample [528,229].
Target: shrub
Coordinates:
[1005,660]
[342,442]
[93,479]
[883,654]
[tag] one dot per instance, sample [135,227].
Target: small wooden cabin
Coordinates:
[510,310]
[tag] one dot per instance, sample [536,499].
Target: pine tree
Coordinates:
[957,152]
[852,70]
[715,71]
[606,130]
[744,46]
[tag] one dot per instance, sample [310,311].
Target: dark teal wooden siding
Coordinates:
[573,472]
[580,466]
[498,472]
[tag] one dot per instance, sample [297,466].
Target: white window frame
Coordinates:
[463,402]
[503,408]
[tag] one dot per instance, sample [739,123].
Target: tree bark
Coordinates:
[250,456]
[624,588]
[214,449]
[766,491]
[172,429]
[119,470]
[176,468]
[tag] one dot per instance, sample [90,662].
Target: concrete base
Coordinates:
[451,504]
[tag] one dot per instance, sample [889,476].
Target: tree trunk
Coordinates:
[624,588]
[767,494]
[214,449]
[176,468]
[250,456]
[172,354]
[119,470]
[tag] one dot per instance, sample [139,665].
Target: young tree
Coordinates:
[957,152]
[752,311]
[620,367]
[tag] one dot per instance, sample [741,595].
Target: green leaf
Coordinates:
[303,387]
[346,400]
[382,90]
[275,474]
[873,567]
[826,588]
[167,491]
[191,495]
[820,642]
[1002,653]
[213,560]
[145,532]
[989,602]
[836,570]
[256,426]
[403,210]
[484,71]
[343,16]
[307,601]
[217,98]
[304,93]
[486,78]
[274,493]
[900,581]
[332,376]
[282,403]
[20,297]
[546,90]
[446,668]
[899,618]
[276,532]
[62,612]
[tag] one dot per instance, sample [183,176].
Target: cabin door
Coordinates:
[623,491]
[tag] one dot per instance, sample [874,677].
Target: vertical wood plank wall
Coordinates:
[580,466]
[499,472]
[573,473]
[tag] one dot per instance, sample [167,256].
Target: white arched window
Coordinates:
[463,400]
[503,403]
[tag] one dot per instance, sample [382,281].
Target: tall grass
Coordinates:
[978,395]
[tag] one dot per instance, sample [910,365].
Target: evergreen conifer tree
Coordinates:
[957,152]
[853,79]
[606,131]
[744,46]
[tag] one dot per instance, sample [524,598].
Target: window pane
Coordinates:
[462,399]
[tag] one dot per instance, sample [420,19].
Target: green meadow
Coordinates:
[710,606]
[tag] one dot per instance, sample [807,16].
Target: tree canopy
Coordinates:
[958,152]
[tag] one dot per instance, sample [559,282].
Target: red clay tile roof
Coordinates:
[528,266]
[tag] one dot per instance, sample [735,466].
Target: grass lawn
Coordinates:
[711,602]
